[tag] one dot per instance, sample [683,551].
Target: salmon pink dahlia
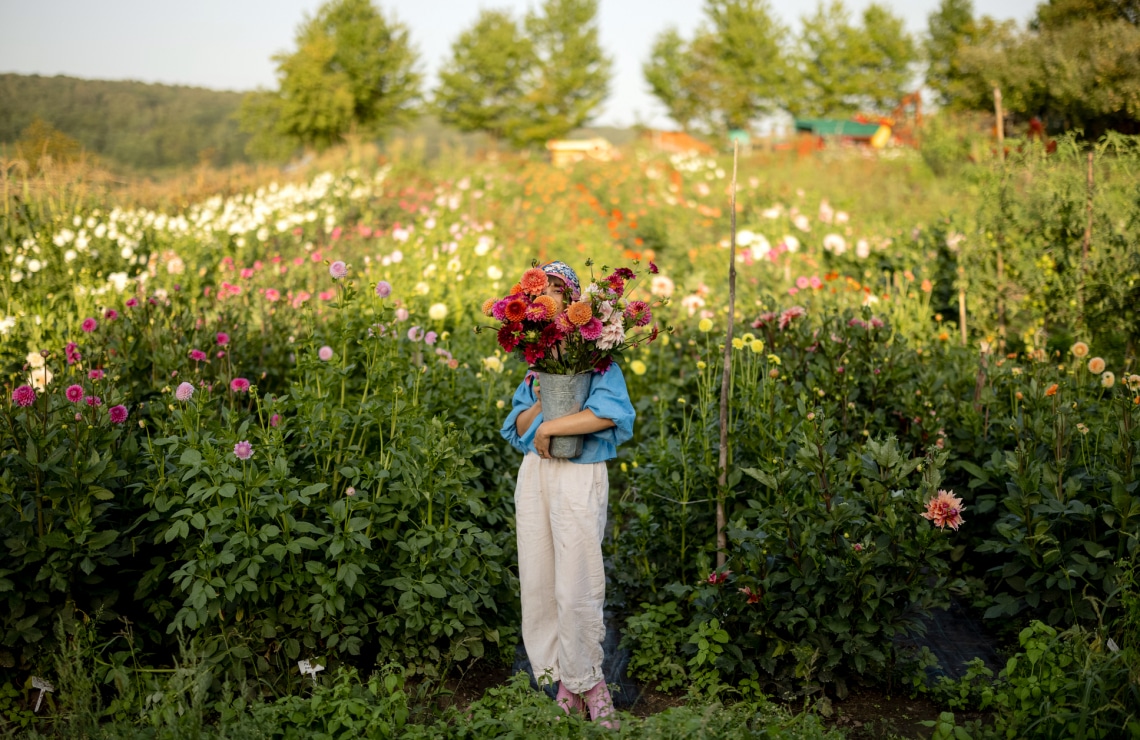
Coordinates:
[945,510]
[1096,365]
[1080,350]
[533,281]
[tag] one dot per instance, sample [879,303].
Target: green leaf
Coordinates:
[100,493]
[190,457]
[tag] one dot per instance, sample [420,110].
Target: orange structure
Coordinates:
[677,142]
[565,152]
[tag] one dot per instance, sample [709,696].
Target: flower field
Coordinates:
[260,429]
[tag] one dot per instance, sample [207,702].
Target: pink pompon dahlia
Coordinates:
[325,353]
[591,330]
[25,395]
[197,355]
[184,391]
[243,450]
[638,313]
[222,338]
[239,385]
[118,414]
[89,325]
[338,270]
[95,374]
[945,510]
[74,393]
[71,351]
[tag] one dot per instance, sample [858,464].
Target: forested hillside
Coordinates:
[131,124]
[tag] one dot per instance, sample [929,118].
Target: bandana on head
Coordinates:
[562,270]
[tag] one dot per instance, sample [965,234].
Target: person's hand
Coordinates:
[542,441]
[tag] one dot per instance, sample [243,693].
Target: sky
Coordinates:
[228,44]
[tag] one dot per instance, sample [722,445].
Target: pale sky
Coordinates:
[227,44]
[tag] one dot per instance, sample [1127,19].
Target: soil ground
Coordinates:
[865,714]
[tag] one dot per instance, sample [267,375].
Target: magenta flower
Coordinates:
[71,351]
[274,420]
[638,313]
[89,325]
[383,289]
[338,269]
[110,314]
[95,374]
[184,391]
[93,401]
[118,414]
[132,302]
[325,353]
[222,338]
[197,355]
[74,393]
[239,385]
[652,268]
[243,450]
[591,330]
[25,395]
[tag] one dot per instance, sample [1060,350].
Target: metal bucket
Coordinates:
[563,395]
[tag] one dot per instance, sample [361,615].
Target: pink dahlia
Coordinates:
[95,374]
[184,391]
[763,320]
[338,269]
[791,314]
[239,385]
[325,353]
[71,352]
[110,314]
[93,401]
[89,325]
[945,510]
[430,338]
[74,393]
[132,302]
[25,395]
[383,289]
[243,450]
[638,313]
[222,338]
[591,330]
[197,355]
[118,414]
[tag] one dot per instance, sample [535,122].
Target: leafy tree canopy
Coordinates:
[353,70]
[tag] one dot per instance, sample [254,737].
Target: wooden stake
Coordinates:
[1000,124]
[1087,242]
[726,376]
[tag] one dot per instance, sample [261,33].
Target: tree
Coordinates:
[481,87]
[669,72]
[353,71]
[570,75]
[847,68]
[732,72]
[1077,66]
[950,28]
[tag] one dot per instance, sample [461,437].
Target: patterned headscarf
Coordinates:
[562,270]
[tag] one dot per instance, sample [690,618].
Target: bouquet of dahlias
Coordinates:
[585,335]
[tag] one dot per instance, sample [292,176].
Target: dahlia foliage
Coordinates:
[583,334]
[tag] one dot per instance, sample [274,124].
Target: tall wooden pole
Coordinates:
[1000,124]
[726,377]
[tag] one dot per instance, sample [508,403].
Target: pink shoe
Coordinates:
[569,701]
[601,706]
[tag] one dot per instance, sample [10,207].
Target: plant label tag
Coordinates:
[44,687]
[1112,646]
[310,668]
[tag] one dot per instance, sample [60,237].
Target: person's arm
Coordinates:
[526,418]
[583,422]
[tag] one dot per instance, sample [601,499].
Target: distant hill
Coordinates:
[135,125]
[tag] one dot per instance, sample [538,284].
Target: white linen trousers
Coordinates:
[560,519]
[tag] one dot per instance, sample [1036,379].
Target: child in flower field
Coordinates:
[560,512]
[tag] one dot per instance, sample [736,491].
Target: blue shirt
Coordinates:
[608,398]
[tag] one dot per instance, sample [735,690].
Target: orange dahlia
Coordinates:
[488,306]
[515,310]
[579,313]
[548,305]
[533,281]
[516,289]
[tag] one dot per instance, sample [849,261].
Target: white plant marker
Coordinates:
[1111,645]
[44,687]
[310,669]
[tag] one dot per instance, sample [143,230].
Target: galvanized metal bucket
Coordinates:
[563,395]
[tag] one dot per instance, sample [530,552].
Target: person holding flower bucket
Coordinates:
[568,339]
